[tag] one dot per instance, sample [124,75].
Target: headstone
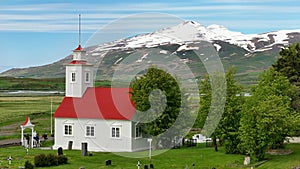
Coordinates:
[151,166]
[70,145]
[84,149]
[9,160]
[145,166]
[138,165]
[60,151]
[247,160]
[107,162]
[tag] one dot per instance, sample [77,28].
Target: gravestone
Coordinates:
[9,160]
[151,166]
[145,166]
[60,151]
[107,162]
[138,165]
[84,149]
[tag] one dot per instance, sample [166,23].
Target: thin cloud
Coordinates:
[246,1]
[61,17]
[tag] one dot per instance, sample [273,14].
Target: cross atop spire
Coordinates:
[79,29]
[79,34]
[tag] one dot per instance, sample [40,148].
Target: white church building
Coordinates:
[103,118]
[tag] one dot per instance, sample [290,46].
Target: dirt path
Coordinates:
[9,142]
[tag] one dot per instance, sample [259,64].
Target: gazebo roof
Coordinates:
[27,123]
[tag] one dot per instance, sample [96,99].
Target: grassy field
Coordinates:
[14,110]
[201,156]
[10,83]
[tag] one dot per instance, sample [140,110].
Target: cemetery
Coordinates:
[199,156]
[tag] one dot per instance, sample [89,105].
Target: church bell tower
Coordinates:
[79,73]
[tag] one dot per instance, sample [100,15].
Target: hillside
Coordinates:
[250,53]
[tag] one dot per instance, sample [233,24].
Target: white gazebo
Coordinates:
[27,124]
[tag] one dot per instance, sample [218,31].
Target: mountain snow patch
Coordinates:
[186,47]
[217,46]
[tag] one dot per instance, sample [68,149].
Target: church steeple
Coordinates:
[79,53]
[79,74]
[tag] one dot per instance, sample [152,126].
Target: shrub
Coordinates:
[40,160]
[43,160]
[62,160]
[52,160]
[28,165]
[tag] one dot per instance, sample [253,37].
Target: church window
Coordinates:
[138,131]
[115,132]
[68,130]
[90,131]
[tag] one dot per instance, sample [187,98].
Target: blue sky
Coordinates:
[37,32]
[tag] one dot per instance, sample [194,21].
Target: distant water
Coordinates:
[29,93]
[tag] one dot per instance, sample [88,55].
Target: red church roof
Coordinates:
[78,48]
[98,103]
[77,62]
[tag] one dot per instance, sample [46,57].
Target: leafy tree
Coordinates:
[229,124]
[227,129]
[267,118]
[146,92]
[205,100]
[289,63]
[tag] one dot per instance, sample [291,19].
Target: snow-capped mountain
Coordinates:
[248,52]
[190,31]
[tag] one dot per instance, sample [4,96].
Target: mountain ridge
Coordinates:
[248,52]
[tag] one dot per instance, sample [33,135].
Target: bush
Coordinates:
[28,165]
[40,160]
[43,160]
[62,160]
[52,160]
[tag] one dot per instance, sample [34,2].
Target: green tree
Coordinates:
[227,129]
[205,100]
[150,92]
[267,118]
[289,63]
[229,124]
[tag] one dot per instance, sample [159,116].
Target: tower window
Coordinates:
[87,77]
[73,77]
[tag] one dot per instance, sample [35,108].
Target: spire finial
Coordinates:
[79,29]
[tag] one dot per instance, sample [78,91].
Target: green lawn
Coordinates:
[201,156]
[13,111]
